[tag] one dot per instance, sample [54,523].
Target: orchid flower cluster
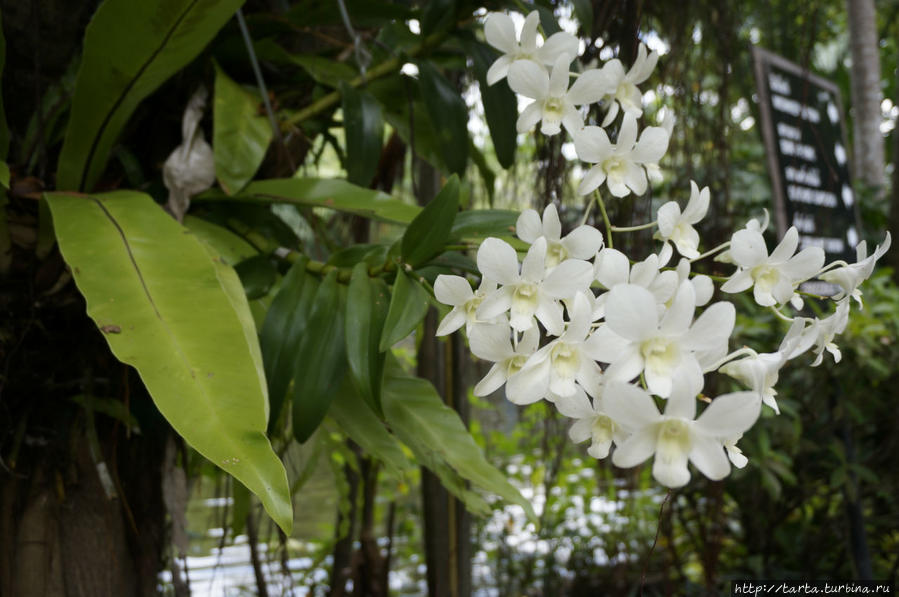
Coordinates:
[608,340]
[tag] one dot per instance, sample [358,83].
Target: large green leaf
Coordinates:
[435,433]
[361,424]
[175,312]
[130,49]
[323,70]
[364,128]
[240,133]
[230,247]
[478,224]
[448,115]
[366,310]
[408,305]
[320,359]
[326,192]
[500,105]
[428,232]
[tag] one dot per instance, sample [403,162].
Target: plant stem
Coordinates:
[634,228]
[711,252]
[605,219]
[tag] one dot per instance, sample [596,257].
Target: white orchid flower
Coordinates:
[456,291]
[621,166]
[635,339]
[675,437]
[825,330]
[611,268]
[591,422]
[494,343]
[676,227]
[625,94]
[532,291]
[760,371]
[849,277]
[560,365]
[773,277]
[581,243]
[499,29]
[554,103]
[735,454]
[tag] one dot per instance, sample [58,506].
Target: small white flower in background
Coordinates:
[591,422]
[621,165]
[760,371]
[456,291]
[677,228]
[493,343]
[625,94]
[558,366]
[635,339]
[675,437]
[190,169]
[532,291]
[500,33]
[774,277]
[554,103]
[825,330]
[581,243]
[849,277]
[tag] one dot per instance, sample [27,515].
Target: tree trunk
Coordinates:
[868,150]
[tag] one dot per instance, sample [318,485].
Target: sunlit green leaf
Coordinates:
[428,232]
[408,305]
[241,133]
[130,49]
[180,317]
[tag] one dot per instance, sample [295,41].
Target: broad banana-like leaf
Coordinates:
[168,306]
[130,49]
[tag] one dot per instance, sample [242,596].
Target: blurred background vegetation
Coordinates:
[820,495]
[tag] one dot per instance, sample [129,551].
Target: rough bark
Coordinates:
[868,150]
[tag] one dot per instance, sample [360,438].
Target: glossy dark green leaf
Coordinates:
[364,128]
[230,247]
[372,254]
[241,497]
[408,305]
[428,232]
[257,275]
[478,224]
[547,20]
[437,15]
[284,326]
[436,434]
[320,359]
[448,115]
[130,49]
[500,105]
[329,73]
[171,308]
[324,192]
[583,10]
[366,310]
[241,133]
[360,423]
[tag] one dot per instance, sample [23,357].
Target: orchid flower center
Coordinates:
[765,277]
[615,168]
[556,253]
[472,304]
[515,364]
[624,94]
[565,360]
[603,428]
[674,441]
[553,108]
[661,354]
[524,298]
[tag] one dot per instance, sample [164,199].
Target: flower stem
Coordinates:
[634,228]
[605,219]
[711,252]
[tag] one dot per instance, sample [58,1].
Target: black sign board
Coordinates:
[808,158]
